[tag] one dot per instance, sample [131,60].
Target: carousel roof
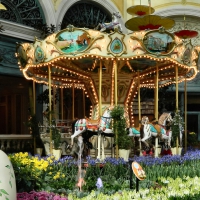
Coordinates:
[74,56]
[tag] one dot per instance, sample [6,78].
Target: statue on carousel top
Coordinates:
[114,24]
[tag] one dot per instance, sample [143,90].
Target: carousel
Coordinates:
[111,67]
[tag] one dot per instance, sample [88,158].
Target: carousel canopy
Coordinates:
[75,57]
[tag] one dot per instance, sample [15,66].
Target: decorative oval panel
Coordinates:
[39,54]
[75,41]
[157,42]
[116,46]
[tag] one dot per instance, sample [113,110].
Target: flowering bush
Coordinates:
[27,170]
[39,196]
[48,174]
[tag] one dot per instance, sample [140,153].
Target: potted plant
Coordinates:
[34,130]
[122,140]
[192,139]
[177,129]
[56,138]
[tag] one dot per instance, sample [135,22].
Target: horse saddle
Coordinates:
[159,129]
[156,128]
[136,130]
[92,124]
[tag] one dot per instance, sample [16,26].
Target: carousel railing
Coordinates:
[65,129]
[15,142]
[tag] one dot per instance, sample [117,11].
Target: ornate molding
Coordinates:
[178,10]
[49,11]
[19,31]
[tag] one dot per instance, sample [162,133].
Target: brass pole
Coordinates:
[115,68]
[50,117]
[61,96]
[139,110]
[34,139]
[176,104]
[100,89]
[83,103]
[54,102]
[112,85]
[156,93]
[156,107]
[115,92]
[185,115]
[176,87]
[34,98]
[73,102]
[139,103]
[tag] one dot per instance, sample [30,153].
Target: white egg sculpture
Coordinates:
[7,179]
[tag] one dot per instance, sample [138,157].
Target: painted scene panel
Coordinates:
[76,41]
[158,43]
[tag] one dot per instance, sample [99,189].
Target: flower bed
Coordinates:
[179,189]
[34,173]
[43,195]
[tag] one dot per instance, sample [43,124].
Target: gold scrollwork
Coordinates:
[105,92]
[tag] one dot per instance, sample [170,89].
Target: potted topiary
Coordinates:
[34,129]
[122,140]
[177,130]
[56,138]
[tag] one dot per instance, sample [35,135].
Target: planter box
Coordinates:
[123,153]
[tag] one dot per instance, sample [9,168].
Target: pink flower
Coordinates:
[56,197]
[42,198]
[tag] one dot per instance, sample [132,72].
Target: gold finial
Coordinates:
[2,7]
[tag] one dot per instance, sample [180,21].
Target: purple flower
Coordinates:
[99,183]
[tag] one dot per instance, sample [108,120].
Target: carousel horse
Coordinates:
[157,129]
[112,25]
[100,127]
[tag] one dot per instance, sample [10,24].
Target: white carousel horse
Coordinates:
[112,25]
[157,130]
[100,127]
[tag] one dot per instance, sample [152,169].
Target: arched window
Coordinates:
[86,14]
[27,12]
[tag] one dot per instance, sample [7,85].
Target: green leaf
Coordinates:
[3,191]
[10,183]
[8,166]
